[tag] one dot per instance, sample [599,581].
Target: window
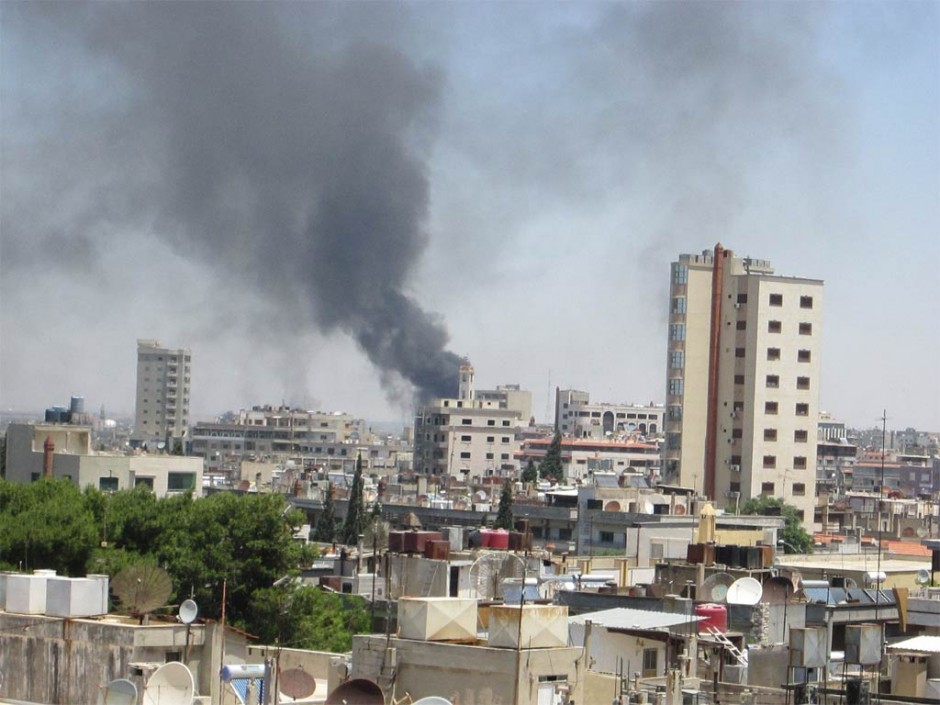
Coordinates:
[677,359]
[466,422]
[465,455]
[770,461]
[734,486]
[504,456]
[739,379]
[677,332]
[491,422]
[143,481]
[675,412]
[773,381]
[738,406]
[736,460]
[675,386]
[773,353]
[678,304]
[806,329]
[737,433]
[776,299]
[802,409]
[680,273]
[108,484]
[739,352]
[802,382]
[767,488]
[607,536]
[650,663]
[466,439]
[799,462]
[800,436]
[774,326]
[804,356]
[742,298]
[770,407]
[770,434]
[505,422]
[564,534]
[489,456]
[504,439]
[491,439]
[741,325]
[673,441]
[799,489]
[806,302]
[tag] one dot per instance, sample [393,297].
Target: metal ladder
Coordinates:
[727,644]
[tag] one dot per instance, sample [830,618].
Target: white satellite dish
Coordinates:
[715,587]
[119,692]
[922,577]
[433,700]
[188,612]
[744,591]
[171,684]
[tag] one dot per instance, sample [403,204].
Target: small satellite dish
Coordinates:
[189,610]
[922,531]
[922,577]
[776,591]
[119,692]
[745,591]
[296,683]
[850,584]
[171,684]
[715,587]
[359,691]
[433,700]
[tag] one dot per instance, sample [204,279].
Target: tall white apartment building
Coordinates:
[163,383]
[742,396]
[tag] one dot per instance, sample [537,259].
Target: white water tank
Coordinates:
[103,584]
[26,594]
[73,597]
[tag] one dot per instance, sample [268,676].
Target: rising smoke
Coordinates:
[253,140]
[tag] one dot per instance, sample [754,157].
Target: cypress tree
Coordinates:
[325,530]
[355,512]
[551,464]
[504,513]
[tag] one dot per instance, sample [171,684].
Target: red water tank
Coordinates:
[715,616]
[499,539]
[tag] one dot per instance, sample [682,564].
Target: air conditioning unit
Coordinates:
[737,305]
[735,468]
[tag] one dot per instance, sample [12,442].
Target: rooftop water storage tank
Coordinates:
[716,617]
[73,597]
[499,539]
[26,594]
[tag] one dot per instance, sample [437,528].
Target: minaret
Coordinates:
[465,387]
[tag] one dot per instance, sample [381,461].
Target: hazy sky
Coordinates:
[328,203]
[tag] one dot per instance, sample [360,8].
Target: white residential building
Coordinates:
[575,415]
[163,384]
[743,363]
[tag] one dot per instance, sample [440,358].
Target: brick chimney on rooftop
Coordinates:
[48,452]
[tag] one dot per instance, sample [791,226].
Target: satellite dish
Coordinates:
[922,577]
[489,571]
[715,587]
[922,531]
[171,684]
[296,683]
[357,691]
[119,692]
[745,591]
[142,588]
[850,584]
[433,700]
[189,610]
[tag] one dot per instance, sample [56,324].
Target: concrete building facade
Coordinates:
[575,415]
[743,362]
[163,384]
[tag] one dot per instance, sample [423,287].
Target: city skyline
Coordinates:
[552,161]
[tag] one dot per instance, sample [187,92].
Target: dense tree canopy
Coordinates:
[242,542]
[531,473]
[794,536]
[504,513]
[551,466]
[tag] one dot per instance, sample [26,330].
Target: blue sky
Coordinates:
[570,152]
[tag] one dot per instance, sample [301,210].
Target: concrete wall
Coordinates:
[50,660]
[471,675]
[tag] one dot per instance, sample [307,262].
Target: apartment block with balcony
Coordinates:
[743,362]
[576,416]
[163,387]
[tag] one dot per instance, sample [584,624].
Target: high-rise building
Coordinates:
[742,395]
[163,382]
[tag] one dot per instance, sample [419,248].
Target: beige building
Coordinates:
[163,383]
[743,361]
[64,450]
[575,415]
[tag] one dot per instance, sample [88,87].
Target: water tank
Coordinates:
[77,405]
[716,616]
[499,539]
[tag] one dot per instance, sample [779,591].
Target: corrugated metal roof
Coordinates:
[925,644]
[626,618]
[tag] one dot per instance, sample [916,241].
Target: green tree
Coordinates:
[551,466]
[306,617]
[794,536]
[356,518]
[531,473]
[46,524]
[325,530]
[504,512]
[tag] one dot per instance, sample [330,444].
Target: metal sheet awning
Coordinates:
[926,644]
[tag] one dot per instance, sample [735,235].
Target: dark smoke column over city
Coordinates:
[276,148]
